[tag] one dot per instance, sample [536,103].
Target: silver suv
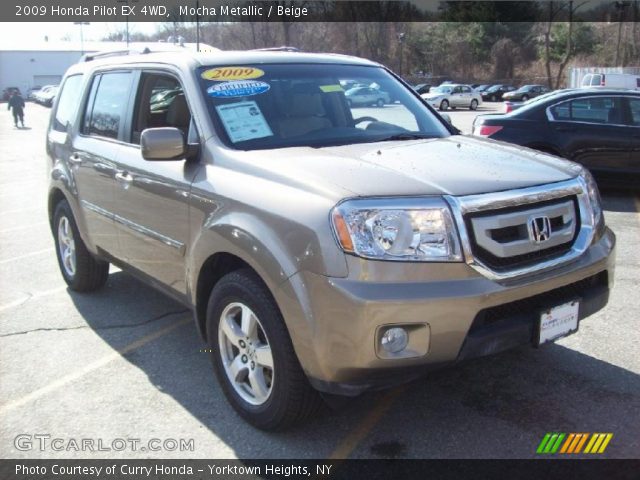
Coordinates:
[325,249]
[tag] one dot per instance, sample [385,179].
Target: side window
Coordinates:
[67,103]
[634,106]
[160,102]
[604,110]
[106,109]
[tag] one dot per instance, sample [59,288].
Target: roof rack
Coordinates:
[277,49]
[88,57]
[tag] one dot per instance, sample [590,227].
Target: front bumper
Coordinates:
[460,314]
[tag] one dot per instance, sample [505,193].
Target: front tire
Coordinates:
[380,103]
[80,269]
[525,98]
[253,356]
[444,105]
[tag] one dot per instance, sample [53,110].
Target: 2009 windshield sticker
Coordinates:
[225,74]
[238,88]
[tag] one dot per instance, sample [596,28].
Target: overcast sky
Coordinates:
[11,33]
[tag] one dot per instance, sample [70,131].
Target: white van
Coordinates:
[612,80]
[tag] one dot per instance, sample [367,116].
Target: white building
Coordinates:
[34,65]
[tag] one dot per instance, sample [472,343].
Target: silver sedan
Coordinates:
[453,96]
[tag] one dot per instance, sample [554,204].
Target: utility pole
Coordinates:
[81,35]
[401,41]
[197,27]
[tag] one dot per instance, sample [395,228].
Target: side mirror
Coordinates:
[166,143]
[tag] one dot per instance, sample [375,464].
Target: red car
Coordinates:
[7,92]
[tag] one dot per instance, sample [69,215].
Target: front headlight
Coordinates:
[398,229]
[591,188]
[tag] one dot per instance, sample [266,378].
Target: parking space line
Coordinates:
[31,296]
[27,255]
[65,380]
[21,210]
[349,443]
[24,227]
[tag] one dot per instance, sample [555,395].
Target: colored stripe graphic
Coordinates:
[605,442]
[598,442]
[581,442]
[567,442]
[543,443]
[572,443]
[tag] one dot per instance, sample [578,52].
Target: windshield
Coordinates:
[526,88]
[287,105]
[494,88]
[440,90]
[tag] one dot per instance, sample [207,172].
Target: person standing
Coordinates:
[16,105]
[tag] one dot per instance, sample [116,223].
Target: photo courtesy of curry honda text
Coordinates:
[326,247]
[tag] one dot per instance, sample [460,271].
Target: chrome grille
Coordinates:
[537,259]
[504,238]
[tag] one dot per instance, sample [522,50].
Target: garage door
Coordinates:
[42,80]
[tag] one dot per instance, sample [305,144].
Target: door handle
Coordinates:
[75,159]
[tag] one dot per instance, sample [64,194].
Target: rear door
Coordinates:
[593,131]
[94,152]
[152,207]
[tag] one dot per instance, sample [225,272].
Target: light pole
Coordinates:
[401,41]
[81,35]
[126,2]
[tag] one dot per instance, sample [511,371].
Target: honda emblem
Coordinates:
[539,229]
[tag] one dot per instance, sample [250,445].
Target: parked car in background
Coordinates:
[422,88]
[453,96]
[42,96]
[364,96]
[7,92]
[599,128]
[525,92]
[47,97]
[611,80]
[481,88]
[495,92]
[32,92]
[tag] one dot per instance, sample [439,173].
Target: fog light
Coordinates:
[394,340]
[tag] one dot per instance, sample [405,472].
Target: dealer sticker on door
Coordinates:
[558,321]
[238,88]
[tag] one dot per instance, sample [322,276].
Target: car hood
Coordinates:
[457,165]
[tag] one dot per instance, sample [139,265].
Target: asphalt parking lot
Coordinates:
[127,363]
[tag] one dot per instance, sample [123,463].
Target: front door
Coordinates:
[152,214]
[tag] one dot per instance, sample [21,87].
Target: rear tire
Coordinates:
[243,323]
[525,98]
[80,269]
[380,103]
[474,105]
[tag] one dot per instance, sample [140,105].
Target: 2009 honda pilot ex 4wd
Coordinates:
[323,248]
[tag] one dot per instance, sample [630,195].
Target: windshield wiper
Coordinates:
[405,136]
